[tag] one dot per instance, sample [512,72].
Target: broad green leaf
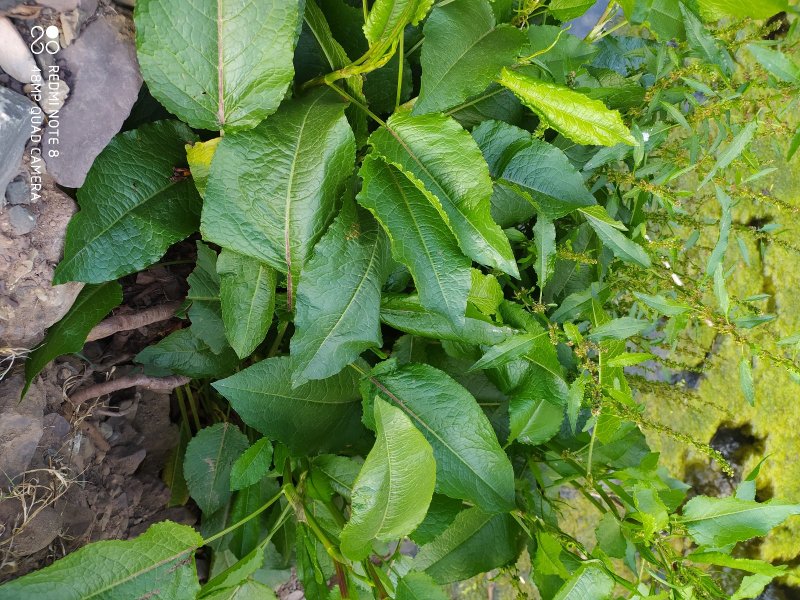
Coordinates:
[199,156]
[746,380]
[513,348]
[777,63]
[474,543]
[442,511]
[419,586]
[498,142]
[162,558]
[564,10]
[312,417]
[436,151]
[172,475]
[718,522]
[420,237]
[713,10]
[661,16]
[536,409]
[408,315]
[203,64]
[208,462]
[703,43]
[572,114]
[750,565]
[394,487]
[608,231]
[463,53]
[132,208]
[388,18]
[577,390]
[93,303]
[590,582]
[553,186]
[338,299]
[562,54]
[205,312]
[252,465]
[752,586]
[619,329]
[272,191]
[247,297]
[340,471]
[469,461]
[184,353]
[544,238]
[249,589]
[224,584]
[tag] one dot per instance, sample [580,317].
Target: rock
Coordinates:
[15,56]
[38,532]
[14,133]
[124,460]
[20,427]
[29,303]
[18,192]
[105,86]
[22,222]
[59,5]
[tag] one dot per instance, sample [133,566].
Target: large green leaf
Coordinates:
[762,9]
[132,208]
[407,314]
[546,178]
[273,190]
[419,586]
[208,462]
[394,487]
[184,353]
[469,461]
[513,348]
[564,10]
[247,296]
[388,18]
[440,154]
[205,312]
[572,114]
[463,53]
[204,65]
[536,409]
[663,17]
[68,335]
[159,559]
[719,522]
[315,416]
[338,299]
[474,543]
[252,465]
[420,237]
[589,582]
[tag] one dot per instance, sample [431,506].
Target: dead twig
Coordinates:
[127,322]
[154,384]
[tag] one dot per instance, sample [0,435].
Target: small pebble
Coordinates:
[18,192]
[22,222]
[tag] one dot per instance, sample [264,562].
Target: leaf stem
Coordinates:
[401,58]
[241,522]
[360,105]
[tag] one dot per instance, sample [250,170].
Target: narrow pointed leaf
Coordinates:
[273,191]
[474,543]
[388,18]
[394,487]
[419,586]
[469,461]
[420,237]
[609,233]
[203,66]
[208,462]
[132,209]
[338,299]
[572,114]
[463,53]
[544,237]
[315,416]
[511,349]
[252,465]
[438,152]
[161,558]
[777,63]
[247,296]
[69,335]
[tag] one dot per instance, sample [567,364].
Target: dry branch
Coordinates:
[155,384]
[131,321]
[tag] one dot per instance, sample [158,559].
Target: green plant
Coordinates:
[433,255]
